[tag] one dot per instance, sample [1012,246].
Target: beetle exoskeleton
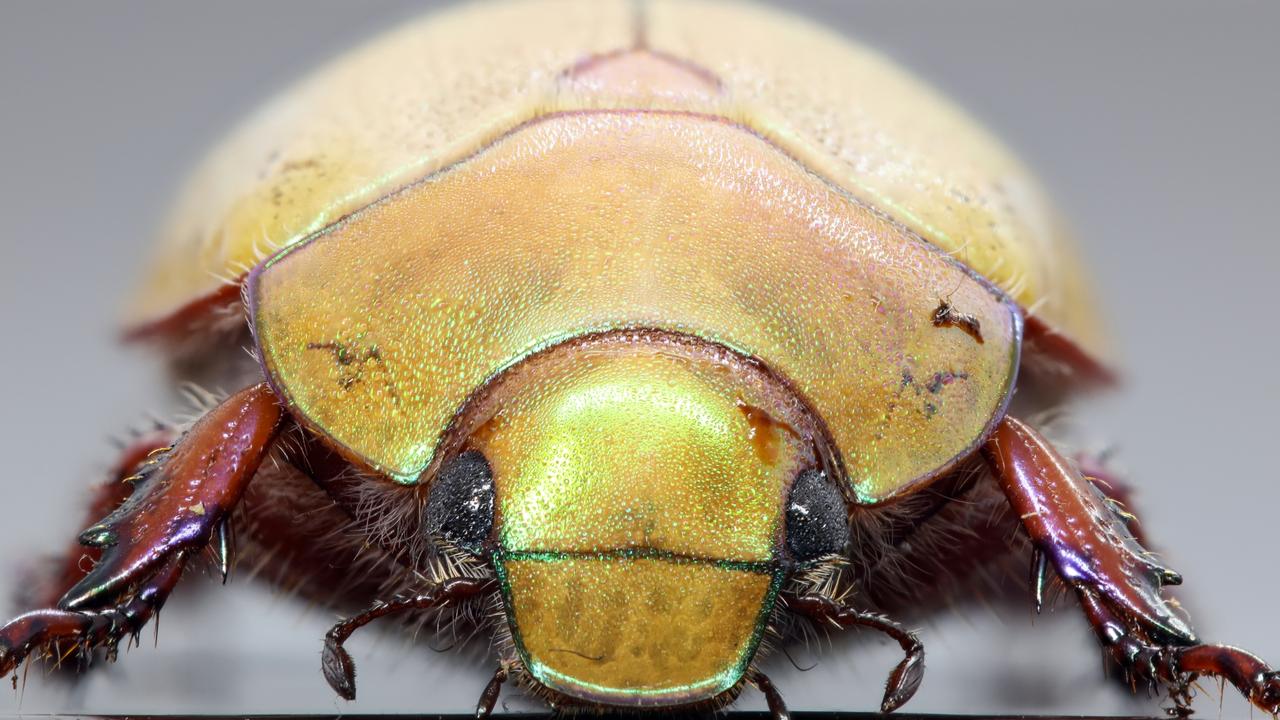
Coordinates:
[653,324]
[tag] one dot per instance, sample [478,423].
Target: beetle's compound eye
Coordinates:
[460,506]
[817,520]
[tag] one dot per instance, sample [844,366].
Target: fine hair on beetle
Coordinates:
[907,557]
[390,556]
[639,339]
[904,558]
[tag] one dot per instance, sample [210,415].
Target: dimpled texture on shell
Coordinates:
[637,631]
[378,330]
[438,89]
[641,498]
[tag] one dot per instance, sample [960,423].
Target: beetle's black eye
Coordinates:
[460,506]
[817,521]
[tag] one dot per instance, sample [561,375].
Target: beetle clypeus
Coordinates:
[654,327]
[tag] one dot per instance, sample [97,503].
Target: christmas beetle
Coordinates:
[637,333]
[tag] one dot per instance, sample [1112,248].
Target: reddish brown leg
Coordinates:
[1118,491]
[340,670]
[905,678]
[1074,528]
[44,586]
[173,513]
[777,708]
[489,698]
[84,631]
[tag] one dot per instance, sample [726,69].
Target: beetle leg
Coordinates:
[905,678]
[1146,662]
[174,512]
[1118,492]
[89,629]
[183,502]
[777,708]
[340,670]
[488,698]
[43,585]
[1089,544]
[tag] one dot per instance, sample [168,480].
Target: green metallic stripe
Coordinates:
[758,567]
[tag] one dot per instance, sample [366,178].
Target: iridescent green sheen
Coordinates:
[641,482]
[380,328]
[620,444]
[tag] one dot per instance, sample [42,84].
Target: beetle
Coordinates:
[645,343]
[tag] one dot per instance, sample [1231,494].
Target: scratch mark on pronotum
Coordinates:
[349,361]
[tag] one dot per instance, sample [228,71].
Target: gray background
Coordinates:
[1153,122]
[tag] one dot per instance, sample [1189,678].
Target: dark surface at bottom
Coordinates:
[632,716]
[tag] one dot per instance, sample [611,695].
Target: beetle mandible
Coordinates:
[648,324]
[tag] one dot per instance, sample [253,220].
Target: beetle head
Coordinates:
[641,487]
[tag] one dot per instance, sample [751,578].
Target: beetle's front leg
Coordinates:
[1075,528]
[340,670]
[43,585]
[906,676]
[84,630]
[176,511]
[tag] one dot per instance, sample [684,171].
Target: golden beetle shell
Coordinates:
[435,91]
[422,217]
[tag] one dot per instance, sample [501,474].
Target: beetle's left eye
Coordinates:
[817,519]
[460,504]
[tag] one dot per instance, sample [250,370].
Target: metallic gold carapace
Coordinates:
[378,329]
[640,441]
[635,630]
[641,482]
[442,88]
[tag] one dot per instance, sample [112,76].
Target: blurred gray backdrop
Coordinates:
[1153,122]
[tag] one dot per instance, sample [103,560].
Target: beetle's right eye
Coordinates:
[460,504]
[817,519]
